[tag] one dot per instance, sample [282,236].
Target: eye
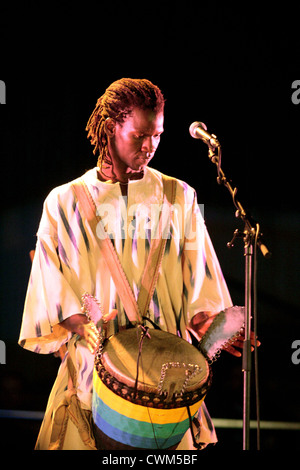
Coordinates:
[138,136]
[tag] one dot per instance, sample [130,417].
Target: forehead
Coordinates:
[144,120]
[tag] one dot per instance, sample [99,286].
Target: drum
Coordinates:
[147,387]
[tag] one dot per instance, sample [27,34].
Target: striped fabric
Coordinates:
[136,425]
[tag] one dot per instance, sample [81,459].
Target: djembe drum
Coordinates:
[147,387]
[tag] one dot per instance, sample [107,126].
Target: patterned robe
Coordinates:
[68,263]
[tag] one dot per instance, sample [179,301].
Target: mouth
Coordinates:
[142,159]
[145,157]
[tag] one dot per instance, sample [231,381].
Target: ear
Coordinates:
[110,127]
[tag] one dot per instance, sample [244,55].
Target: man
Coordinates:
[125,129]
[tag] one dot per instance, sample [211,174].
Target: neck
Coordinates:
[109,172]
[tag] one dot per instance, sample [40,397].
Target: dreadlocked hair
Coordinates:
[117,103]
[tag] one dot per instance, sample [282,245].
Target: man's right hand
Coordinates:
[80,325]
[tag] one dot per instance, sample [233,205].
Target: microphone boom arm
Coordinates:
[250,223]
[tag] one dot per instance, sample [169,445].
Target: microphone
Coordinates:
[198,130]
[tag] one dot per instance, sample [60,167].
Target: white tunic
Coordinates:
[68,263]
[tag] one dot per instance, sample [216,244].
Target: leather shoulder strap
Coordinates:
[157,247]
[135,310]
[111,258]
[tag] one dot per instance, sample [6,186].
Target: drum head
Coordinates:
[167,363]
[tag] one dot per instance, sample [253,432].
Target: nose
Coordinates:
[148,145]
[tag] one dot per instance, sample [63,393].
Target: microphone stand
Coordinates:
[252,238]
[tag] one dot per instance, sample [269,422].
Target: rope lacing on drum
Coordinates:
[144,333]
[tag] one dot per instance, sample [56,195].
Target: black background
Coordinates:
[230,66]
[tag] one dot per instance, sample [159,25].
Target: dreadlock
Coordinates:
[117,103]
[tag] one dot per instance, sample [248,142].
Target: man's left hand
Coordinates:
[233,348]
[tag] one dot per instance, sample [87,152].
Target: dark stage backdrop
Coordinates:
[235,69]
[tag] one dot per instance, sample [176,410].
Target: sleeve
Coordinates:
[205,290]
[50,298]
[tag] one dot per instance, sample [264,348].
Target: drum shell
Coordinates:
[131,415]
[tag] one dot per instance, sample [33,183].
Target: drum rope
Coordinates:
[144,333]
[139,358]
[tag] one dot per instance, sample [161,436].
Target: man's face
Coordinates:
[133,143]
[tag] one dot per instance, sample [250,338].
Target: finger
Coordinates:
[91,348]
[93,344]
[110,316]
[92,337]
[233,351]
[241,337]
[255,340]
[237,344]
